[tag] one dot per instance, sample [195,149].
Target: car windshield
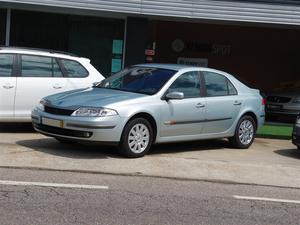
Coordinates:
[145,80]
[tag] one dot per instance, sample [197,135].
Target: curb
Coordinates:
[229,182]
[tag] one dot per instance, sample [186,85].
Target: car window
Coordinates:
[39,66]
[188,83]
[56,69]
[74,69]
[231,89]
[6,65]
[216,84]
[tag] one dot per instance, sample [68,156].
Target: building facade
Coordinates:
[256,40]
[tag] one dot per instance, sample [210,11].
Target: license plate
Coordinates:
[52,122]
[274,106]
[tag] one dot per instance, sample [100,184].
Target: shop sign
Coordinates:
[149,52]
[201,62]
[178,45]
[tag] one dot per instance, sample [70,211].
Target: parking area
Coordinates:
[267,162]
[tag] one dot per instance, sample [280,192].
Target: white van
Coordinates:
[27,75]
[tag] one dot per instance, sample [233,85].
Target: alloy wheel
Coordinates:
[138,138]
[246,132]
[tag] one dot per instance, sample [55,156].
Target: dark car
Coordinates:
[296,133]
[283,103]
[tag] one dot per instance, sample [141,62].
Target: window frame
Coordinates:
[14,70]
[202,93]
[19,66]
[227,84]
[65,71]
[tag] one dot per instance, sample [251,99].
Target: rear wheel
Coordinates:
[244,133]
[137,138]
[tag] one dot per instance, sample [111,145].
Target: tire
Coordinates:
[137,138]
[64,141]
[244,133]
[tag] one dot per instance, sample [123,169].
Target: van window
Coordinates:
[6,65]
[40,66]
[74,69]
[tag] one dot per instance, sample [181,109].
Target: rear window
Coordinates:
[74,69]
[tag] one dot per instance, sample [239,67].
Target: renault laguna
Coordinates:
[154,103]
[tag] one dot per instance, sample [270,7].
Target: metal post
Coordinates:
[124,43]
[8,21]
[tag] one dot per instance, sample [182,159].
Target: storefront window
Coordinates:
[2,26]
[99,39]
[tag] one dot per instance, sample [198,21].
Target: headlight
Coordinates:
[296,100]
[41,105]
[298,120]
[93,111]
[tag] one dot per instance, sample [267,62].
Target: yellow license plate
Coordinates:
[52,122]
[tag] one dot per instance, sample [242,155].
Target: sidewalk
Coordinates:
[267,162]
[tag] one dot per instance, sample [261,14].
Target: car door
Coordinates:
[8,82]
[184,117]
[223,103]
[40,76]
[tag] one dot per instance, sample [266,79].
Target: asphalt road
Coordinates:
[138,200]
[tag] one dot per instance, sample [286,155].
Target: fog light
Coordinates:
[87,134]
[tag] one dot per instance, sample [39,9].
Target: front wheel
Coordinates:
[137,138]
[244,133]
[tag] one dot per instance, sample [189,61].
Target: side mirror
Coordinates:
[175,95]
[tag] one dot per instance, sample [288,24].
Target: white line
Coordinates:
[42,184]
[266,199]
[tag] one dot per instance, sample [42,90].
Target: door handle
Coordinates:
[237,103]
[8,86]
[200,105]
[57,86]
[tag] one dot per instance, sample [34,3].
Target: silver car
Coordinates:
[154,103]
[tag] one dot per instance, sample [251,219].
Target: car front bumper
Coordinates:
[92,129]
[282,109]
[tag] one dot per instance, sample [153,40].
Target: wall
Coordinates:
[265,57]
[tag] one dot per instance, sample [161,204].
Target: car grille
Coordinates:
[62,131]
[278,99]
[58,111]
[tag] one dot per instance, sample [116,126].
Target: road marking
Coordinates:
[42,184]
[266,199]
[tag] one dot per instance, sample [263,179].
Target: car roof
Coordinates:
[37,51]
[176,67]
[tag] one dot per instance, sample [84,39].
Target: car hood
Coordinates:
[93,97]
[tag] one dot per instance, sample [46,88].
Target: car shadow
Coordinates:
[73,150]
[16,128]
[94,151]
[291,153]
[179,147]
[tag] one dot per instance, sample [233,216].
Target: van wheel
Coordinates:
[137,138]
[244,133]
